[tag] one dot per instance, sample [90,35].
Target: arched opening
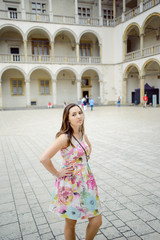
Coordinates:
[38,46]
[65,47]
[132,43]
[40,88]
[11,45]
[151,74]
[13,88]
[66,87]
[90,85]
[89,50]
[132,84]
[151,37]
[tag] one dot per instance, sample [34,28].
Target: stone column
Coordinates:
[1,105]
[141,44]
[28,93]
[100,52]
[124,10]
[23,10]
[50,11]
[142,78]
[141,6]
[76,12]
[25,50]
[101,91]
[52,52]
[77,51]
[79,94]
[100,13]
[124,49]
[124,97]
[114,8]
[54,92]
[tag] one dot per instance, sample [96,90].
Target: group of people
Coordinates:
[84,102]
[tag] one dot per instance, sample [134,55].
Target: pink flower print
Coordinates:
[65,195]
[91,182]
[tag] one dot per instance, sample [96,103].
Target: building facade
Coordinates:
[61,50]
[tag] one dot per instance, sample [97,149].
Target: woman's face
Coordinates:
[76,116]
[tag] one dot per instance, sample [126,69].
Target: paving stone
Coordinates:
[144,215]
[126,215]
[10,231]
[118,223]
[28,228]
[43,228]
[47,236]
[7,207]
[8,217]
[140,227]
[34,236]
[155,224]
[111,232]
[25,218]
[57,228]
[151,236]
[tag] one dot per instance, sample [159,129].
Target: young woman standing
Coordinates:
[75,192]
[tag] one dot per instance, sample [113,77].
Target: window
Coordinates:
[38,7]
[84,12]
[15,54]
[13,12]
[85,82]
[44,87]
[40,47]
[107,14]
[85,49]
[17,87]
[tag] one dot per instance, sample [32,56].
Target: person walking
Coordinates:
[75,195]
[91,102]
[145,99]
[119,101]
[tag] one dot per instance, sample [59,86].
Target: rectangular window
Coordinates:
[38,7]
[85,49]
[85,82]
[107,14]
[84,12]
[44,87]
[40,47]
[13,12]
[17,87]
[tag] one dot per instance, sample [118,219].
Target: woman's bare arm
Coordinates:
[45,159]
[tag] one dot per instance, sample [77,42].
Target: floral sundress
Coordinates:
[76,196]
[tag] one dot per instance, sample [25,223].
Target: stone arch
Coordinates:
[38,28]
[93,32]
[66,68]
[130,26]
[147,18]
[13,67]
[148,62]
[66,30]
[129,67]
[41,68]
[14,27]
[91,68]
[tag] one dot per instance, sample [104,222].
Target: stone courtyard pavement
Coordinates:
[125,161]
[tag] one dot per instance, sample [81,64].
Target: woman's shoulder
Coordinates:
[63,138]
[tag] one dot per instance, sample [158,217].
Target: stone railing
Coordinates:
[37,17]
[64,59]
[11,58]
[133,55]
[48,59]
[13,15]
[132,13]
[89,21]
[89,60]
[151,50]
[63,19]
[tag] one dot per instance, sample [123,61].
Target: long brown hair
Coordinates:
[66,127]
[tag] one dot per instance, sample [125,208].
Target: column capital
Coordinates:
[54,80]
[78,80]
[142,77]
[100,81]
[125,79]
[27,81]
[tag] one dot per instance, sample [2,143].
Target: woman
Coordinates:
[75,193]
